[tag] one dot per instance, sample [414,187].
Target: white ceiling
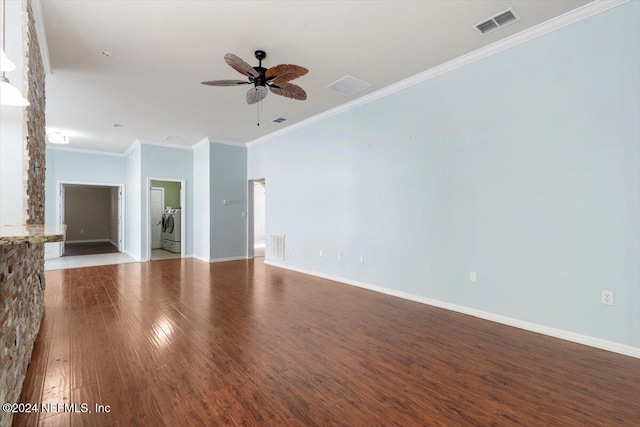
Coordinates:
[164,49]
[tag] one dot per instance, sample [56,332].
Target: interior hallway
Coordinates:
[184,342]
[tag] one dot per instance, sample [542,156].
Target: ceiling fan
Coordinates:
[276,78]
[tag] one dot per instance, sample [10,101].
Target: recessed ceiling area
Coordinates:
[162,50]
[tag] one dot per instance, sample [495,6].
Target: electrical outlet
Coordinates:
[320,252]
[361,259]
[243,214]
[607,297]
[339,255]
[473,276]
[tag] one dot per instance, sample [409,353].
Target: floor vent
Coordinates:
[279,120]
[500,20]
[277,246]
[348,86]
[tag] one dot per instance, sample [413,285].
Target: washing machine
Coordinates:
[171,230]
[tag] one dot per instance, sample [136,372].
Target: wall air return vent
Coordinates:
[500,20]
[279,120]
[348,86]
[277,246]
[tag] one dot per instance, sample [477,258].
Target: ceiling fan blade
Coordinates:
[285,72]
[225,82]
[289,90]
[240,65]
[256,94]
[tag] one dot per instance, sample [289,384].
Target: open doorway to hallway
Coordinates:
[166,219]
[259,218]
[93,215]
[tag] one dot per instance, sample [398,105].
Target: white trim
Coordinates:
[203,141]
[122,199]
[231,258]
[164,144]
[162,208]
[541,29]
[199,258]
[42,35]
[131,255]
[82,150]
[89,241]
[135,144]
[113,243]
[235,144]
[528,326]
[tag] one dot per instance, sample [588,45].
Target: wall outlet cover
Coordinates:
[607,297]
[473,276]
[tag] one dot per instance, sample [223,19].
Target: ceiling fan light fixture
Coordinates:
[9,95]
[276,79]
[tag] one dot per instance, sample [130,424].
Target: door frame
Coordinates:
[163,206]
[121,208]
[183,210]
[250,216]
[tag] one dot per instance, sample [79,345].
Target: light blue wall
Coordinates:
[133,218]
[79,167]
[228,171]
[172,163]
[524,167]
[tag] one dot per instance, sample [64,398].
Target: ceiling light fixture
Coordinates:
[58,138]
[117,125]
[9,95]
[106,53]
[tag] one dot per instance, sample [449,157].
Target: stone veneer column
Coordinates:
[22,265]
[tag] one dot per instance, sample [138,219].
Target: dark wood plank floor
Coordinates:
[74,249]
[182,342]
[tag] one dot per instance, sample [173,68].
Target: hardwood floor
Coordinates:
[183,342]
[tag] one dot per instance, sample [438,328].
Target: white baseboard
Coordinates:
[131,255]
[199,258]
[89,241]
[533,327]
[233,258]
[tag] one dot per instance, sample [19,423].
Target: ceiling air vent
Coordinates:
[348,86]
[502,19]
[176,139]
[279,120]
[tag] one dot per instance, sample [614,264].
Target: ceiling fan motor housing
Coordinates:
[261,80]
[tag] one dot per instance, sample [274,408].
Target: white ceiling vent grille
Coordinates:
[348,86]
[279,120]
[176,139]
[500,20]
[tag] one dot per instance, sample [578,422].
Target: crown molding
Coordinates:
[134,145]
[84,151]
[223,142]
[583,12]
[164,144]
[42,35]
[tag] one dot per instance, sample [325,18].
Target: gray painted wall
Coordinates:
[164,162]
[524,167]
[228,169]
[87,212]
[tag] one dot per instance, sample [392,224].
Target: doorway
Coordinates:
[257,232]
[166,219]
[93,214]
